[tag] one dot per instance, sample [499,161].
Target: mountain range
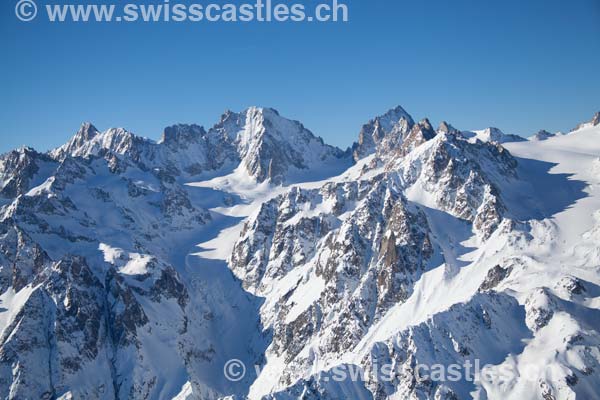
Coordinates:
[137,269]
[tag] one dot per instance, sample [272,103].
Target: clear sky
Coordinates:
[520,65]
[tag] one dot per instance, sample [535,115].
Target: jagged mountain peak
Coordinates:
[89,141]
[270,121]
[271,147]
[264,113]
[419,134]
[21,168]
[16,158]
[87,131]
[84,135]
[445,127]
[425,124]
[21,151]
[268,111]
[392,117]
[253,122]
[385,131]
[182,133]
[252,110]
[27,150]
[493,131]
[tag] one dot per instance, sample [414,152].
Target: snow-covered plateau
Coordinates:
[135,269]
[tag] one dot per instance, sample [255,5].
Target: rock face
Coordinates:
[70,321]
[456,175]
[134,269]
[362,244]
[419,134]
[447,128]
[382,133]
[494,277]
[277,149]
[22,169]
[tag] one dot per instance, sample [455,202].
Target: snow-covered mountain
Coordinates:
[277,149]
[135,269]
[382,132]
[260,143]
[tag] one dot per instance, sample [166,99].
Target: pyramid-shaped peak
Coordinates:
[87,131]
[392,117]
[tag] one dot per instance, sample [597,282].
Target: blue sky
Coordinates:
[517,65]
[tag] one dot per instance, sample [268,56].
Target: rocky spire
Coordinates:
[446,128]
